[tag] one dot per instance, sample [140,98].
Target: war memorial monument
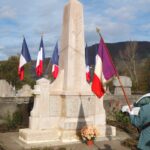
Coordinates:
[63,107]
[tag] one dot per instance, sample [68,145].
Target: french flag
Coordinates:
[40,59]
[55,59]
[104,70]
[87,58]
[24,58]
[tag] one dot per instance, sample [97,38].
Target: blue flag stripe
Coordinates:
[55,56]
[25,52]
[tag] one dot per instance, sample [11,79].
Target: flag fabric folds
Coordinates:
[55,59]
[104,70]
[40,59]
[87,58]
[24,58]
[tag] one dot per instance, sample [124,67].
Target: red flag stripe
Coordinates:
[39,68]
[21,73]
[88,76]
[55,70]
[97,86]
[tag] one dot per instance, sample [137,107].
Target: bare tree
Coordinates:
[128,57]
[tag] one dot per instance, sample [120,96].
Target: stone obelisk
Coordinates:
[62,108]
[72,79]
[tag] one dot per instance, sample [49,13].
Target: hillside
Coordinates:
[143,50]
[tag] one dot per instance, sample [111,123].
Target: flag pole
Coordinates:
[42,34]
[23,36]
[47,67]
[46,70]
[126,98]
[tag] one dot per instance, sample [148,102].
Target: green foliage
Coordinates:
[122,121]
[144,76]
[9,121]
[121,117]
[118,116]
[13,121]
[17,118]
[9,72]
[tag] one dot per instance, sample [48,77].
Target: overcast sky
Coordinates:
[119,20]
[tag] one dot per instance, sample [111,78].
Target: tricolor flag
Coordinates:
[88,77]
[55,59]
[24,58]
[104,69]
[40,59]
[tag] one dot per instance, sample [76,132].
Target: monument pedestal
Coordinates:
[68,114]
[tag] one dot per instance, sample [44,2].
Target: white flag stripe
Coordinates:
[99,69]
[22,61]
[40,57]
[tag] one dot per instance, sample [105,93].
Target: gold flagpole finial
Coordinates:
[98,31]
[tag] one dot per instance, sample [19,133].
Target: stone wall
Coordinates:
[126,83]
[12,100]
[6,89]
[9,105]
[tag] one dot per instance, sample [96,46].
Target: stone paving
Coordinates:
[10,141]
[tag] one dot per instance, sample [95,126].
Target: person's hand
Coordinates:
[133,111]
[125,109]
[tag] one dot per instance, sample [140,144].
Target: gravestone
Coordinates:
[6,89]
[25,91]
[62,108]
[126,83]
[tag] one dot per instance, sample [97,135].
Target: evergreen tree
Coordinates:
[9,72]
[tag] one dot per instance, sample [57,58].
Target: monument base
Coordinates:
[69,136]
[30,136]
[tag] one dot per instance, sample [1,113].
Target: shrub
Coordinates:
[12,121]
[121,117]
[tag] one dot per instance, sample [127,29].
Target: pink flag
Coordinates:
[104,70]
[40,59]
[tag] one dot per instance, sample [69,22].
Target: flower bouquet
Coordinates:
[89,134]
